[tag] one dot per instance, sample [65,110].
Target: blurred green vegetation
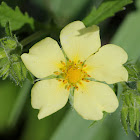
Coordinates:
[66,123]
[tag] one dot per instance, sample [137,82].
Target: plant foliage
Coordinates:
[16,18]
[107,9]
[10,61]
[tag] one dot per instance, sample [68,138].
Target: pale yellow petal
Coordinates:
[106,65]
[78,41]
[93,98]
[43,58]
[49,96]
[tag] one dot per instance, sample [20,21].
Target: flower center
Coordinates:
[74,75]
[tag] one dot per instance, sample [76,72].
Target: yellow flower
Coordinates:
[86,59]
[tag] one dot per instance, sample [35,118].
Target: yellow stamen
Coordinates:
[56,72]
[85,65]
[72,74]
[77,87]
[65,81]
[68,87]
[80,83]
[63,63]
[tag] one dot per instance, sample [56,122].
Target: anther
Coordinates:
[63,70]
[76,87]
[65,81]
[68,87]
[63,63]
[89,75]
[85,65]
[56,72]
[80,83]
[73,85]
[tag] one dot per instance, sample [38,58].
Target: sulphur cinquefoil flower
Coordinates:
[86,60]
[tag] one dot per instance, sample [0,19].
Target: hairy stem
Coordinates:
[33,37]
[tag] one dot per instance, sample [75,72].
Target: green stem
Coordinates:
[33,37]
[19,104]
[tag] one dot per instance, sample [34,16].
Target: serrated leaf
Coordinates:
[132,71]
[127,100]
[132,84]
[8,44]
[132,98]
[132,117]
[23,69]
[4,70]
[13,76]
[2,53]
[3,61]
[124,115]
[17,69]
[16,18]
[138,86]
[30,77]
[5,76]
[10,61]
[107,9]
[137,123]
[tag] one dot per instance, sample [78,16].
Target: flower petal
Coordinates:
[106,65]
[78,41]
[93,98]
[43,58]
[49,96]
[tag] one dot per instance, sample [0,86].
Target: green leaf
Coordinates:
[107,9]
[17,70]
[132,71]
[132,84]
[124,114]
[23,69]
[2,53]
[10,61]
[4,70]
[16,18]
[126,99]
[130,110]
[137,123]
[138,86]
[132,117]
[30,77]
